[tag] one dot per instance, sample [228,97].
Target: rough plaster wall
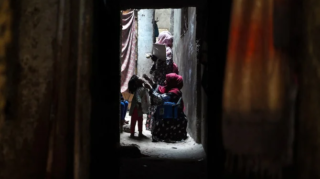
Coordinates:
[172,22]
[204,125]
[309,113]
[163,15]
[36,32]
[185,55]
[145,40]
[204,98]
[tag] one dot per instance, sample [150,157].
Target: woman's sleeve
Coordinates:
[158,98]
[175,69]
[153,68]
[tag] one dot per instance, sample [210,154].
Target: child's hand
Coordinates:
[154,58]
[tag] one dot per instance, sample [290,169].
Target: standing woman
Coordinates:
[160,68]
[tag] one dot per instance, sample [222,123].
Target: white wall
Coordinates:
[163,15]
[145,40]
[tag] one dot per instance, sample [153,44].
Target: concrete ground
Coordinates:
[187,150]
[184,159]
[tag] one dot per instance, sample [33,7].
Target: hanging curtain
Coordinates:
[5,39]
[128,52]
[257,106]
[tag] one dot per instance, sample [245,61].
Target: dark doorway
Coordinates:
[181,25]
[106,83]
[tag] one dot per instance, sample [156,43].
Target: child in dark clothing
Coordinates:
[136,87]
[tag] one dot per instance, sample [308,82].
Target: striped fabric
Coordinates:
[128,52]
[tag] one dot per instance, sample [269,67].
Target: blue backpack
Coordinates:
[168,110]
[124,107]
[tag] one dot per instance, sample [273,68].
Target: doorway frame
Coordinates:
[195,128]
[100,129]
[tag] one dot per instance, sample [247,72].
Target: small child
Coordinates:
[136,112]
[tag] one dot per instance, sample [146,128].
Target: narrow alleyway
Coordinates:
[184,159]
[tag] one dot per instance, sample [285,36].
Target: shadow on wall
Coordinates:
[185,56]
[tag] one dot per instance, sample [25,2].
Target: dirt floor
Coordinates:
[188,149]
[184,159]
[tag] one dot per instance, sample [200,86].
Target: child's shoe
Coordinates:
[142,136]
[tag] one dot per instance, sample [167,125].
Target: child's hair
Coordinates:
[132,85]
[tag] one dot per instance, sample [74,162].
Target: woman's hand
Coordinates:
[148,86]
[146,77]
[154,58]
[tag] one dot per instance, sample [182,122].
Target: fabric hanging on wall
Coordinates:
[128,52]
[257,106]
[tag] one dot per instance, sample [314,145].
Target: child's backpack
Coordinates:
[122,110]
[124,107]
[169,110]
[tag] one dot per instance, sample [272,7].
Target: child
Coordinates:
[136,112]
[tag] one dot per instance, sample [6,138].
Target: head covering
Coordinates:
[179,82]
[174,83]
[165,38]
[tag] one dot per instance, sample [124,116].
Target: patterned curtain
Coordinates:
[128,52]
[5,39]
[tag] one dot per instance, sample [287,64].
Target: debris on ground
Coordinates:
[126,128]
[135,145]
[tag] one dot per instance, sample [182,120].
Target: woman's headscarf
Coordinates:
[179,82]
[165,38]
[174,84]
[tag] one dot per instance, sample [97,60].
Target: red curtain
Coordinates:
[257,126]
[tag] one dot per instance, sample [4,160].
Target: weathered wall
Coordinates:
[202,38]
[145,40]
[204,97]
[172,21]
[34,32]
[185,55]
[163,15]
[204,124]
